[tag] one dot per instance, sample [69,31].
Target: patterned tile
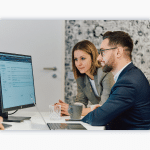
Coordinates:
[92,30]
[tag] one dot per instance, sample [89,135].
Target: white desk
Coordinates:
[36,122]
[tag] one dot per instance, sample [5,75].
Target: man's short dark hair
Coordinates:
[120,38]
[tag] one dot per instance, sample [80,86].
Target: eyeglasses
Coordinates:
[101,51]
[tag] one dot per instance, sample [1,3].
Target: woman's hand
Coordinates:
[96,106]
[64,107]
[1,126]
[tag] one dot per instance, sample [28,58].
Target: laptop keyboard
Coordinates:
[65,126]
[57,126]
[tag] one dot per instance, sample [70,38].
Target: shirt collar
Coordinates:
[118,73]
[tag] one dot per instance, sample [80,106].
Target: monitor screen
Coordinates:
[17,84]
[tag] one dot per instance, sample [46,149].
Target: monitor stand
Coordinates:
[7,118]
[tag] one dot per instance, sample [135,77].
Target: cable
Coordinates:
[13,112]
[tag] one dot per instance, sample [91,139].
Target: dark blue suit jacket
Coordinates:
[128,106]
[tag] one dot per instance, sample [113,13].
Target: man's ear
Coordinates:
[119,52]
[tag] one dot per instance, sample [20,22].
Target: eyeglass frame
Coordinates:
[102,50]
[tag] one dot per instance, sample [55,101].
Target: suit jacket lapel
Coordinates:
[96,80]
[87,84]
[89,91]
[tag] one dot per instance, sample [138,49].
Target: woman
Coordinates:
[93,85]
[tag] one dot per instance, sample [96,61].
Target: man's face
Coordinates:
[107,60]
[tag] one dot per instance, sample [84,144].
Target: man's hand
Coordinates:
[64,107]
[1,126]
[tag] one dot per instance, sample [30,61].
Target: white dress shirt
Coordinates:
[118,73]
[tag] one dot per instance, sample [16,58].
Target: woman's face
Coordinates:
[82,61]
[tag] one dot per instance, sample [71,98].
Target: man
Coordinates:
[1,126]
[128,105]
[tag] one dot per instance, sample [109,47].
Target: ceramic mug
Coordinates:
[75,111]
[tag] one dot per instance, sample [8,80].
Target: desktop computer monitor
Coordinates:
[16,85]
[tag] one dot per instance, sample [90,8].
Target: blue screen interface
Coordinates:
[17,82]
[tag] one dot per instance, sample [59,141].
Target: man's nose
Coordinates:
[99,58]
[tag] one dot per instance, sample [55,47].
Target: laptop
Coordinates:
[61,126]
[66,126]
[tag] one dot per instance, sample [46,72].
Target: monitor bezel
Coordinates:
[4,110]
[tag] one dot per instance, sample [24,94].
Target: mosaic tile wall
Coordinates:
[92,30]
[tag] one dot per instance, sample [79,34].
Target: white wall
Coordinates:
[44,41]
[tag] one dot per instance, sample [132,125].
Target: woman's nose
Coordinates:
[79,62]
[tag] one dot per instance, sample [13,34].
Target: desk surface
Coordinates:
[37,123]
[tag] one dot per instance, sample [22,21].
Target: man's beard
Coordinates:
[109,66]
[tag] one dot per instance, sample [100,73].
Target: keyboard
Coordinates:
[66,126]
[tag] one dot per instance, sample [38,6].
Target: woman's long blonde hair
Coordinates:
[89,48]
